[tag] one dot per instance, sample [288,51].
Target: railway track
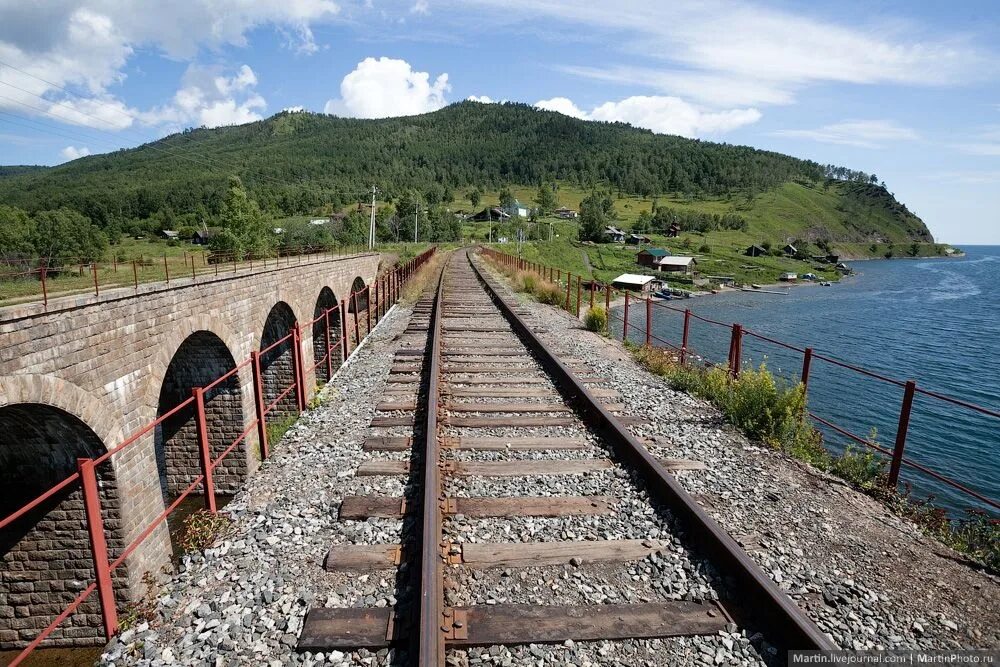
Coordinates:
[535,516]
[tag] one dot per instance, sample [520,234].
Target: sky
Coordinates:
[907,90]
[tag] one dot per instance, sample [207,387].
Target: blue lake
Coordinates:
[935,321]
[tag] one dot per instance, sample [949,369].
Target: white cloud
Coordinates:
[661,114]
[482,99]
[725,52]
[388,87]
[295,109]
[73,153]
[84,45]
[420,7]
[208,97]
[860,133]
[985,142]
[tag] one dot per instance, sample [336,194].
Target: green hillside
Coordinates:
[301,163]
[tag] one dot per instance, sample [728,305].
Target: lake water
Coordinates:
[935,321]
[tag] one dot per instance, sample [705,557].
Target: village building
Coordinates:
[649,256]
[673,230]
[489,214]
[788,277]
[683,265]
[790,250]
[565,213]
[169,234]
[636,283]
[614,234]
[517,209]
[204,236]
[755,251]
[637,239]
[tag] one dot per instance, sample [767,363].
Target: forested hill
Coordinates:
[293,163]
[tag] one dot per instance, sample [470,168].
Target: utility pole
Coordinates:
[489,217]
[371,228]
[416,212]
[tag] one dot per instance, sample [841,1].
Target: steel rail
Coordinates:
[430,638]
[761,603]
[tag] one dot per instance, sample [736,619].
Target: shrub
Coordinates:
[528,281]
[548,293]
[202,528]
[704,249]
[596,319]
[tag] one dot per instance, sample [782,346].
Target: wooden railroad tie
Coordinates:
[361,508]
[485,625]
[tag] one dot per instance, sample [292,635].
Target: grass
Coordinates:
[277,429]
[424,277]
[154,261]
[771,411]
[790,211]
[202,529]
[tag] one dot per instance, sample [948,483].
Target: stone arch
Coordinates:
[174,338]
[199,361]
[277,365]
[360,304]
[68,397]
[45,555]
[327,300]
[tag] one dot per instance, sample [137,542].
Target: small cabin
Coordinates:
[788,277]
[205,236]
[637,239]
[635,283]
[790,250]
[614,234]
[755,251]
[683,265]
[169,234]
[649,256]
[565,213]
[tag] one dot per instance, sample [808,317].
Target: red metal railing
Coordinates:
[387,290]
[734,363]
[40,273]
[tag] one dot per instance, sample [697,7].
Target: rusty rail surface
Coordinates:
[687,354]
[391,284]
[430,639]
[762,603]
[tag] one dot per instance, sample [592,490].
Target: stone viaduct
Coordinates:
[78,378]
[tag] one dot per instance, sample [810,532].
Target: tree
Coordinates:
[506,198]
[592,219]
[474,197]
[242,218]
[15,233]
[546,200]
[64,235]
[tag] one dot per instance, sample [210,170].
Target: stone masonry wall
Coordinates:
[104,361]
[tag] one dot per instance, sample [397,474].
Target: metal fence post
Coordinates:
[569,281]
[203,449]
[579,293]
[166,268]
[300,380]
[904,425]
[806,364]
[368,307]
[98,546]
[684,339]
[649,321]
[45,291]
[736,351]
[258,394]
[625,319]
[591,293]
[93,269]
[343,329]
[329,349]
[357,329]
[135,274]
